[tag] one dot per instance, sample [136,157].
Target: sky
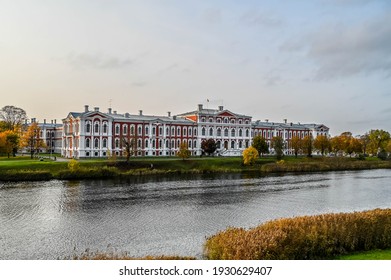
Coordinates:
[315,61]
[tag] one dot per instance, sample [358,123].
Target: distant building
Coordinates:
[93,133]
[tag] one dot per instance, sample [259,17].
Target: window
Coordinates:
[203,132]
[240,133]
[88,127]
[210,120]
[240,144]
[233,132]
[96,143]
[154,130]
[146,130]
[247,133]
[202,119]
[178,143]
[189,144]
[184,131]
[146,143]
[173,131]
[240,121]
[139,130]
[160,130]
[154,144]
[232,144]
[117,129]
[104,143]
[117,143]
[190,131]
[105,128]
[210,131]
[96,127]
[167,131]
[125,129]
[172,144]
[233,121]
[195,144]
[218,120]
[88,144]
[195,131]
[132,130]
[226,132]
[225,120]
[219,132]
[139,143]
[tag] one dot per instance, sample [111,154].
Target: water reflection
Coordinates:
[168,215]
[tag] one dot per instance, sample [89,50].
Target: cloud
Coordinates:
[212,16]
[341,50]
[257,18]
[97,61]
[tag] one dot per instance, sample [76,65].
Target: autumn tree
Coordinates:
[250,155]
[259,143]
[355,146]
[9,142]
[365,141]
[128,147]
[208,146]
[336,144]
[13,117]
[308,144]
[378,140]
[322,143]
[32,140]
[278,146]
[184,151]
[296,144]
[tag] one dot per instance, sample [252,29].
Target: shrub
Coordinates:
[73,165]
[250,155]
[382,155]
[310,237]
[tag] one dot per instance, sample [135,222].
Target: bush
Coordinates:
[250,156]
[309,237]
[382,155]
[73,165]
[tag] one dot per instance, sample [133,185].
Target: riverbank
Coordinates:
[26,169]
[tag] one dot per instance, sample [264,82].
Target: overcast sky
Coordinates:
[322,61]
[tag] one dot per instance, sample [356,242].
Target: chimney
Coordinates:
[115,112]
[127,115]
[221,108]
[267,120]
[86,108]
[285,120]
[44,121]
[55,121]
[174,117]
[199,107]
[96,109]
[140,112]
[169,114]
[110,111]
[52,121]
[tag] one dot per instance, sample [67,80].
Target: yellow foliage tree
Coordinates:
[32,139]
[184,152]
[250,155]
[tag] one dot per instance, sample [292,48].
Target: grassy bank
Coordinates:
[26,169]
[304,238]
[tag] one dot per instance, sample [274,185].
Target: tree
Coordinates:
[296,144]
[13,117]
[250,155]
[259,143]
[365,141]
[308,145]
[32,140]
[336,144]
[184,151]
[378,140]
[278,146]
[9,142]
[355,146]
[208,146]
[129,144]
[322,143]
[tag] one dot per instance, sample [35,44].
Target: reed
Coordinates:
[302,238]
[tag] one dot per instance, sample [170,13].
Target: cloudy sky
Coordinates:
[323,61]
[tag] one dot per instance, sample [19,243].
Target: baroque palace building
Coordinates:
[93,133]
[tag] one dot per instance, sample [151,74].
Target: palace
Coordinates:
[93,133]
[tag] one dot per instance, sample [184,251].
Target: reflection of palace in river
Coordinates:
[93,133]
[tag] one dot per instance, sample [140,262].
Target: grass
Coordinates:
[370,255]
[24,168]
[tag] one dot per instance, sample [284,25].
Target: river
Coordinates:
[168,215]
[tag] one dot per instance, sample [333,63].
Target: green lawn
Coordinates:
[370,255]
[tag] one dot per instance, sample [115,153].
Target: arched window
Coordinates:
[139,143]
[225,120]
[178,131]
[117,129]
[184,131]
[219,132]
[96,128]
[88,127]
[125,129]
[105,128]
[210,131]
[153,130]
[189,144]
[203,131]
[105,143]
[132,130]
[240,144]
[195,144]
[232,144]
[88,144]
[146,143]
[153,143]
[139,130]
[117,143]
[167,131]
[173,131]
[96,143]
[178,143]
[146,130]
[240,133]
[172,144]
[247,133]
[210,120]
[233,132]
[190,131]
[195,131]
[226,132]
